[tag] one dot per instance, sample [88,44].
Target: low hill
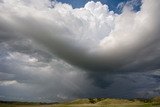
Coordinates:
[90,102]
[80,101]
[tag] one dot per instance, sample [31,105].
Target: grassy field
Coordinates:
[100,102]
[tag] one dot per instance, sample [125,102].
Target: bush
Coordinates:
[91,100]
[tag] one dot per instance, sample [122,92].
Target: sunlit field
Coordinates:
[97,102]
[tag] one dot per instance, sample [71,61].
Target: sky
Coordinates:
[112,4]
[63,50]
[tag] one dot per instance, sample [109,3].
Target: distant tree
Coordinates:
[91,100]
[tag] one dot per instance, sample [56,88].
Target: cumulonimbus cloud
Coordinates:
[91,38]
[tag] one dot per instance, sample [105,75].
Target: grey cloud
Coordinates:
[69,53]
[56,40]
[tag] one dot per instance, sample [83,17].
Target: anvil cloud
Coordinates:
[54,49]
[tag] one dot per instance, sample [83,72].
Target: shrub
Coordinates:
[91,100]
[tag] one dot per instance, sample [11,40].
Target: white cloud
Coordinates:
[6,83]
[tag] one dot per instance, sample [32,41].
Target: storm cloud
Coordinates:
[63,53]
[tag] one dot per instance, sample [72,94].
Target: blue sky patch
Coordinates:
[112,4]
